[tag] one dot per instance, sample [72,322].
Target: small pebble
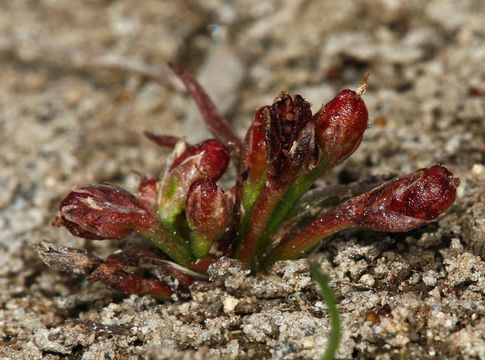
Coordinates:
[371,316]
[456,244]
[478,170]
[367,280]
[230,304]
[430,278]
[414,279]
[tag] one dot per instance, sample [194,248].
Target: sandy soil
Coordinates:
[77,88]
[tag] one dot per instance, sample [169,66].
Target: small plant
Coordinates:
[264,217]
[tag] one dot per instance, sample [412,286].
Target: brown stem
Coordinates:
[111,273]
[215,122]
[162,140]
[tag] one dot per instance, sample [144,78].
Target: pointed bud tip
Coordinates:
[363,85]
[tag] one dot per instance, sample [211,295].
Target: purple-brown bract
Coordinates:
[194,222]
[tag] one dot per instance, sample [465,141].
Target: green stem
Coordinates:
[170,243]
[254,223]
[201,247]
[270,209]
[295,247]
[250,193]
[299,187]
[285,204]
[327,294]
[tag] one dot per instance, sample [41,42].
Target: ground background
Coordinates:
[70,116]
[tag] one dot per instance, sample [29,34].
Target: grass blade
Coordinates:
[327,294]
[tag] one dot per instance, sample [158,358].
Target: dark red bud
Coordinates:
[286,119]
[206,160]
[103,212]
[214,158]
[340,125]
[405,203]
[290,138]
[207,214]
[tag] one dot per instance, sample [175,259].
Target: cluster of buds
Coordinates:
[194,222]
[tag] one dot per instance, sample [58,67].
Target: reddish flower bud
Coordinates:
[337,130]
[340,126]
[207,214]
[103,212]
[255,148]
[289,138]
[289,132]
[281,139]
[211,155]
[399,205]
[404,203]
[207,160]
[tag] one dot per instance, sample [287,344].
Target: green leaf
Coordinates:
[327,294]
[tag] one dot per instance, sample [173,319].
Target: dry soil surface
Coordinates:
[81,80]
